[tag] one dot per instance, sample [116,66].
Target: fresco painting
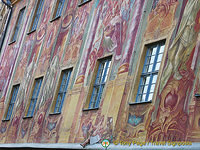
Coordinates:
[77,32]
[25,52]
[65,27]
[161,18]
[81,36]
[50,37]
[172,112]
[131,37]
[8,58]
[88,46]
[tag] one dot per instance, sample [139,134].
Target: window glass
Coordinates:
[150,72]
[101,78]
[18,24]
[37,14]
[36,90]
[62,90]
[59,8]
[12,101]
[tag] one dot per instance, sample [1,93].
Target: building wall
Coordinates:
[122,29]
[4,12]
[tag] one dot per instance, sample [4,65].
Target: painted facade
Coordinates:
[4,12]
[81,36]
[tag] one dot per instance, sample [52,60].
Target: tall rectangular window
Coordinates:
[101,78]
[65,76]
[58,8]
[35,94]
[12,102]
[18,24]
[150,72]
[37,15]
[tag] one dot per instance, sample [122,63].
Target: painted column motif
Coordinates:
[88,46]
[134,24]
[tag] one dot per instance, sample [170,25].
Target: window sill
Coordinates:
[135,103]
[81,4]
[54,18]
[57,113]
[12,42]
[88,109]
[31,32]
[5,120]
[25,117]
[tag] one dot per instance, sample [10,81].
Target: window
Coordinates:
[65,77]
[12,102]
[58,8]
[37,15]
[82,2]
[150,72]
[34,97]
[101,78]
[17,26]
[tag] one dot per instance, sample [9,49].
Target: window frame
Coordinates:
[34,99]
[61,78]
[33,27]
[55,10]
[145,74]
[11,102]
[18,25]
[96,102]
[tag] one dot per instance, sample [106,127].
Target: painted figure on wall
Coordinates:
[77,32]
[170,119]
[111,31]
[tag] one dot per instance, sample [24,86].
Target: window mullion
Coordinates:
[34,104]
[62,90]
[145,61]
[139,89]
[156,57]
[11,110]
[99,94]
[16,91]
[34,98]
[29,109]
[62,100]
[98,73]
[38,89]
[57,102]
[67,83]
[95,84]
[102,83]
[67,75]
[91,99]
[149,87]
